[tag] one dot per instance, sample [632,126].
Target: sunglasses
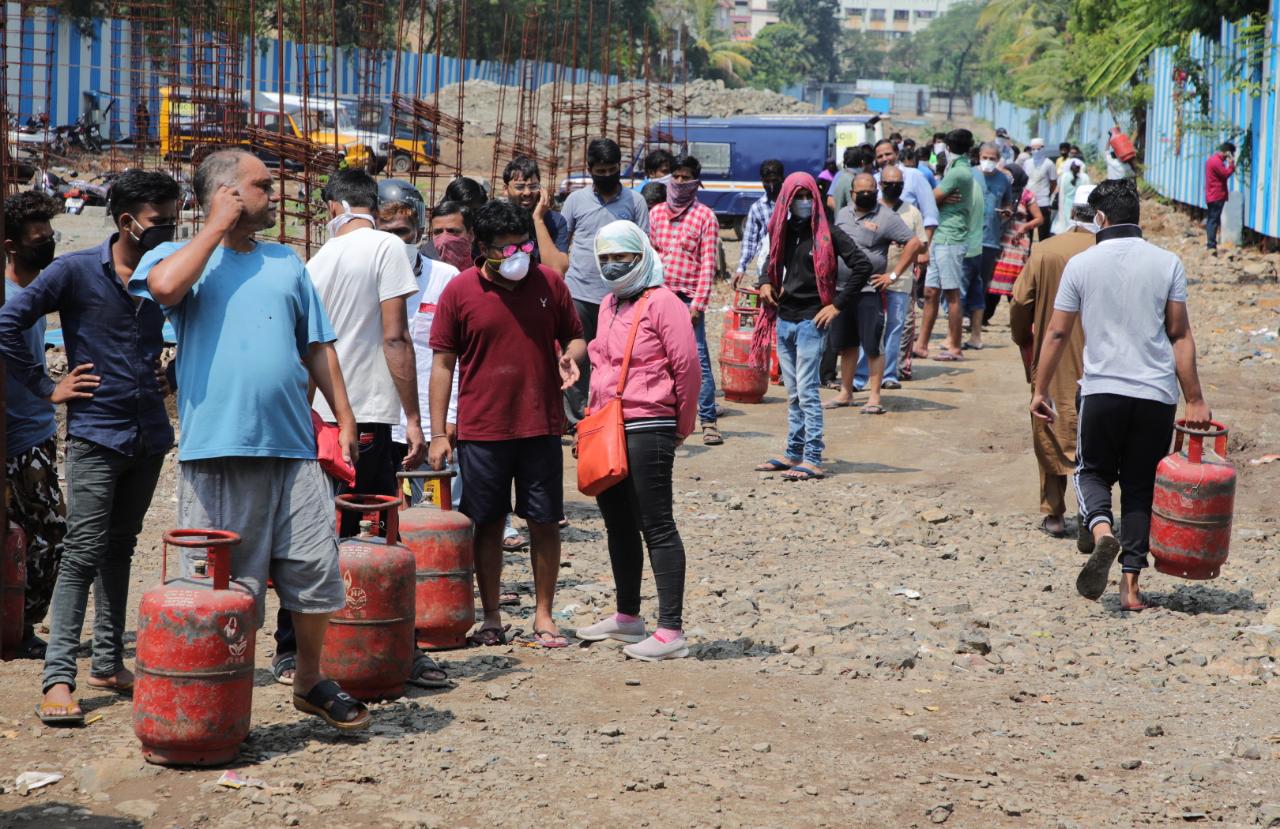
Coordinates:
[511,250]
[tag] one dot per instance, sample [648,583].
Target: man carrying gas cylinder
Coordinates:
[1131,298]
[252,332]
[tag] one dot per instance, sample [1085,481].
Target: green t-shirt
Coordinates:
[953,219]
[977,216]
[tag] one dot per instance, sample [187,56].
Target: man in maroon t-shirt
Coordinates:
[504,321]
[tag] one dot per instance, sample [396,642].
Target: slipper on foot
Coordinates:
[1092,581]
[947,357]
[837,404]
[330,703]
[550,639]
[488,637]
[872,410]
[802,473]
[288,662]
[774,465]
[70,713]
[1044,528]
[427,673]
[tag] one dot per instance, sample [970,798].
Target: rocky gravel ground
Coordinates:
[895,646]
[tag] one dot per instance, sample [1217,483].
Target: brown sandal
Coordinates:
[711,435]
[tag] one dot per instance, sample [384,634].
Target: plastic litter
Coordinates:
[233,780]
[906,592]
[31,780]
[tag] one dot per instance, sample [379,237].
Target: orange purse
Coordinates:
[602,438]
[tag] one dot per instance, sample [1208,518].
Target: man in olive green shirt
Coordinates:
[951,241]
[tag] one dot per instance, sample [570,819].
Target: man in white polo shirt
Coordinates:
[1131,298]
[1042,181]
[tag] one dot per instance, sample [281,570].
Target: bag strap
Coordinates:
[631,338]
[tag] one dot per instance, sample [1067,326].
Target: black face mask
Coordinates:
[37,258]
[153,237]
[865,200]
[772,191]
[892,190]
[606,184]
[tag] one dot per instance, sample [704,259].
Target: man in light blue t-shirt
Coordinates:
[1131,299]
[251,333]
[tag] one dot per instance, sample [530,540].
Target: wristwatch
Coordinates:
[893,277]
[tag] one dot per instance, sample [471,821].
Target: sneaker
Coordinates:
[655,650]
[611,628]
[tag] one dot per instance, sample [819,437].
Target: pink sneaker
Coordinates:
[654,649]
[611,628]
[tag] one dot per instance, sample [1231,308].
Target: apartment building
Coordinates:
[891,18]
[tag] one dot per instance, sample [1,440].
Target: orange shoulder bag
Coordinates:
[602,438]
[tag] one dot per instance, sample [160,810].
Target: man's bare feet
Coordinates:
[120,682]
[1130,596]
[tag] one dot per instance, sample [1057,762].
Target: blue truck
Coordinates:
[731,150]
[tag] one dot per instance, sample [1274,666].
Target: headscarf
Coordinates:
[824,258]
[623,236]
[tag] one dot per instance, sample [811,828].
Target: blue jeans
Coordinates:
[897,307]
[800,357]
[707,393]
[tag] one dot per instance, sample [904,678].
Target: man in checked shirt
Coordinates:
[686,235]
[756,233]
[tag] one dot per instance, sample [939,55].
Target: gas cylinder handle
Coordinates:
[386,505]
[430,474]
[1195,440]
[215,542]
[444,476]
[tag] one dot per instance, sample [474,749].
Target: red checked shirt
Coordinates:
[688,250]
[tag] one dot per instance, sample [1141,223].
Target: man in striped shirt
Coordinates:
[757,230]
[686,234]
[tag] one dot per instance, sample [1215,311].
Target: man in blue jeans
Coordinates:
[803,247]
[117,426]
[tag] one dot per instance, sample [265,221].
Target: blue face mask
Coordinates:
[802,209]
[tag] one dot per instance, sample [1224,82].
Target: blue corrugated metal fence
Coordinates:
[1184,126]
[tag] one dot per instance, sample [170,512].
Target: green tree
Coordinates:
[949,55]
[711,51]
[781,55]
[819,20]
[865,55]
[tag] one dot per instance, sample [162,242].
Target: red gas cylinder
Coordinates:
[1194,500]
[368,648]
[194,688]
[1122,146]
[741,381]
[13,590]
[444,554]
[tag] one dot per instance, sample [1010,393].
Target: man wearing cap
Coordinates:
[1042,181]
[1005,145]
[1032,306]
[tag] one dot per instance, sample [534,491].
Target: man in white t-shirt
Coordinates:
[363,278]
[1042,181]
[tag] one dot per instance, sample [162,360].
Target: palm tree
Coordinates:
[711,47]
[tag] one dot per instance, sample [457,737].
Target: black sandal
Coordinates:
[488,637]
[423,665]
[288,662]
[33,647]
[330,703]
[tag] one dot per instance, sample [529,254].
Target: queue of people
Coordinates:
[478,332]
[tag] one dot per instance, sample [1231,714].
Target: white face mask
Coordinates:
[1099,219]
[411,251]
[515,267]
[802,209]
[1089,227]
[987,165]
[939,148]
[337,222]
[1037,153]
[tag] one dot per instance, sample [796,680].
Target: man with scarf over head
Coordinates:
[799,297]
[686,234]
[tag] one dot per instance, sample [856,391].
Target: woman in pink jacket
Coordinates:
[659,408]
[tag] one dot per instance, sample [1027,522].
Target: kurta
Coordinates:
[1029,315]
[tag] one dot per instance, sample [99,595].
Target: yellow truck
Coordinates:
[187,124]
[403,153]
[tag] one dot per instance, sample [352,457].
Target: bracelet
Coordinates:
[433,437]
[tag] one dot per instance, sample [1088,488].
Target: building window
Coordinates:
[900,14]
[924,15]
[877,15]
[855,11]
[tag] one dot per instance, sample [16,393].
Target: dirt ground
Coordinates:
[984,694]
